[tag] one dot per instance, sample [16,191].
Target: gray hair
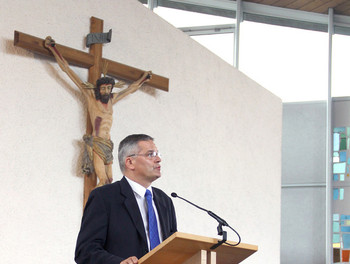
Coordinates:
[129,146]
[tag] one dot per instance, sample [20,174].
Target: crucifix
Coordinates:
[94,62]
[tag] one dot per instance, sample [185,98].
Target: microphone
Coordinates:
[216,217]
[221,221]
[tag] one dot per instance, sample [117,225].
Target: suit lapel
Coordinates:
[132,207]
[162,212]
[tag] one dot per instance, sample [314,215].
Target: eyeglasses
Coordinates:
[150,155]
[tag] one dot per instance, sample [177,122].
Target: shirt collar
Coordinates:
[138,188]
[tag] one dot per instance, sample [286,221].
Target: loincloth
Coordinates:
[102,147]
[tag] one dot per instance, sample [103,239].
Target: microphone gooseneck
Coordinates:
[176,196]
[221,222]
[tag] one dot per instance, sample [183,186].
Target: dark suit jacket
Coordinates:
[112,228]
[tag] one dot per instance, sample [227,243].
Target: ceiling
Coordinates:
[302,14]
[340,7]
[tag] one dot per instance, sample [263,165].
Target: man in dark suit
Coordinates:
[115,226]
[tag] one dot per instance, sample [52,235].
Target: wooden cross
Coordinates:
[92,61]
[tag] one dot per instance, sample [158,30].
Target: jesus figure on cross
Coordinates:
[100,101]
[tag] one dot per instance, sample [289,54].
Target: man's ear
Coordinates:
[129,163]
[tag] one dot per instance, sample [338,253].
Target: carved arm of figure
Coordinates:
[146,76]
[51,45]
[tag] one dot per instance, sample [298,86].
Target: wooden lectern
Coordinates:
[181,248]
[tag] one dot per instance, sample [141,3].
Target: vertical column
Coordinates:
[237,32]
[151,4]
[329,147]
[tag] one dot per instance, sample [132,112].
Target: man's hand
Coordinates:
[130,260]
[49,42]
[145,78]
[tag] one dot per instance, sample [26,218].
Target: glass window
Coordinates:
[220,44]
[291,63]
[341,66]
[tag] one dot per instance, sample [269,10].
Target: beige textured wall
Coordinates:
[219,131]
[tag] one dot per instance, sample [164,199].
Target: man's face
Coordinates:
[146,168]
[105,91]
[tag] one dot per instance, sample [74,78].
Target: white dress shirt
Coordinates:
[139,192]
